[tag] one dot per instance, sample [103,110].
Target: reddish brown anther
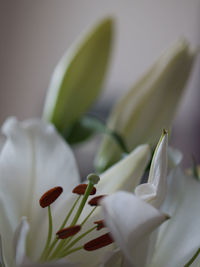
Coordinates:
[99,242]
[69,231]
[81,188]
[95,200]
[50,196]
[100,224]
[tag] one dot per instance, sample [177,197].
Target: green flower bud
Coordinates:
[150,105]
[78,77]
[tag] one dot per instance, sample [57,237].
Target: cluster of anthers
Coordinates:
[66,239]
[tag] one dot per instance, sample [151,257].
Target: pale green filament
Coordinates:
[66,249]
[50,248]
[189,263]
[45,251]
[88,216]
[83,222]
[74,250]
[92,180]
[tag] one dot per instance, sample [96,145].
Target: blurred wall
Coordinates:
[35,34]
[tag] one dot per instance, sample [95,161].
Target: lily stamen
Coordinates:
[50,196]
[81,188]
[68,231]
[96,200]
[100,225]
[99,242]
[88,189]
[62,245]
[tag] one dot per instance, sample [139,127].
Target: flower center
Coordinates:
[66,239]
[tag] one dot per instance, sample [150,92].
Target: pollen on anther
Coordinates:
[100,224]
[50,196]
[99,242]
[95,200]
[68,231]
[81,188]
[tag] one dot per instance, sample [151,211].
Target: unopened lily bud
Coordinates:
[149,106]
[78,77]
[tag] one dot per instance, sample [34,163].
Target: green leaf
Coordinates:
[78,78]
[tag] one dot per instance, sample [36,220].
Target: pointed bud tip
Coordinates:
[167,217]
[164,132]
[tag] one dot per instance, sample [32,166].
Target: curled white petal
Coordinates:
[155,190]
[129,220]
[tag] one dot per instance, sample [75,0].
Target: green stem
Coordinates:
[95,124]
[193,258]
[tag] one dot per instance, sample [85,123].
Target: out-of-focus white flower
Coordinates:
[34,159]
[150,105]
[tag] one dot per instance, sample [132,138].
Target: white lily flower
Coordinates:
[34,159]
[140,218]
[176,243]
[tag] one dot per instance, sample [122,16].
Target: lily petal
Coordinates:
[155,190]
[113,258]
[20,241]
[179,239]
[174,157]
[126,174]
[33,159]
[130,220]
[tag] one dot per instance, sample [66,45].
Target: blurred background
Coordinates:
[35,34]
